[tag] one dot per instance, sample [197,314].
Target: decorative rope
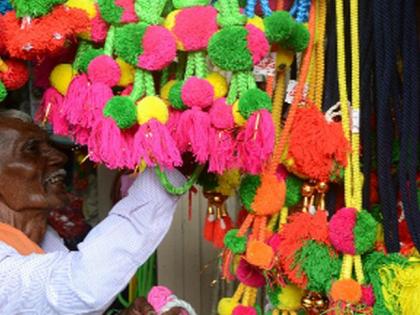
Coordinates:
[109,42]
[139,85]
[182,189]
[320,52]
[278,102]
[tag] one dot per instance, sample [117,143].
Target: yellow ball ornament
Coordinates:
[290,298]
[237,117]
[226,306]
[61,76]
[258,22]
[284,57]
[219,84]
[86,5]
[127,73]
[164,91]
[152,107]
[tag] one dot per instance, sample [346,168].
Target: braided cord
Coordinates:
[149,84]
[200,64]
[182,189]
[278,102]
[250,8]
[139,85]
[320,52]
[109,42]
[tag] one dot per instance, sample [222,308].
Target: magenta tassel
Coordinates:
[222,149]
[256,141]
[76,100]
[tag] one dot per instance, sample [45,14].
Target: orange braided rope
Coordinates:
[298,95]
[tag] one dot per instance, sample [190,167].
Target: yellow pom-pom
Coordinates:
[257,22]
[86,5]
[290,298]
[226,306]
[237,117]
[284,57]
[61,77]
[228,182]
[164,91]
[219,84]
[169,23]
[127,73]
[152,107]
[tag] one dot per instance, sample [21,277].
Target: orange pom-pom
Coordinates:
[270,196]
[346,290]
[259,254]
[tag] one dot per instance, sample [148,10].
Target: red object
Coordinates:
[221,227]
[16,75]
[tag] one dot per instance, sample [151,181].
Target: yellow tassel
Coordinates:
[409,296]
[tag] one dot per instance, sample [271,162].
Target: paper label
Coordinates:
[266,67]
[355,120]
[290,92]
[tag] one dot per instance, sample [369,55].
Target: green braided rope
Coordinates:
[164,180]
[109,43]
[229,14]
[191,66]
[251,81]
[149,11]
[242,83]
[200,64]
[233,90]
[149,84]
[139,85]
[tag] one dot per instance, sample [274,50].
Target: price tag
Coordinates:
[290,92]
[266,67]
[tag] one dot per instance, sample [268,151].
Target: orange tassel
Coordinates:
[221,227]
[208,230]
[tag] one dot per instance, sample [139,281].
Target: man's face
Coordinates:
[31,170]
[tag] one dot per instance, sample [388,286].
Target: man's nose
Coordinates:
[55,157]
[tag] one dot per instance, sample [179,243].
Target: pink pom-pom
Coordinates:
[104,69]
[257,43]
[193,32]
[281,172]
[99,28]
[249,275]
[274,242]
[222,151]
[244,310]
[221,114]
[340,230]
[193,132]
[155,145]
[74,104]
[128,14]
[158,297]
[256,141]
[159,49]
[197,92]
[368,296]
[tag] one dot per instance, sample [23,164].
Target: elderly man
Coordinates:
[38,275]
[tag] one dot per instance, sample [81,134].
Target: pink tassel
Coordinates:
[256,141]
[222,150]
[80,135]
[99,94]
[193,131]
[76,100]
[156,146]
[129,159]
[105,143]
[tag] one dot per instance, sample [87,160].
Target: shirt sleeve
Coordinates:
[86,281]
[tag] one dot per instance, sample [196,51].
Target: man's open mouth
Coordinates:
[56,177]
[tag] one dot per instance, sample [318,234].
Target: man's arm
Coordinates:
[87,281]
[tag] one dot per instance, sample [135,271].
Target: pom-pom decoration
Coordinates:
[13,73]
[31,39]
[248,189]
[249,275]
[226,306]
[237,244]
[122,110]
[352,232]
[61,77]
[104,69]
[179,4]
[252,101]
[174,96]
[34,9]
[219,84]
[244,310]
[346,290]
[149,47]
[192,33]
[118,12]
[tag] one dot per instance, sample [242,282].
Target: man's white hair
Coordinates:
[17,114]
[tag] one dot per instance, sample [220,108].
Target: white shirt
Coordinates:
[87,281]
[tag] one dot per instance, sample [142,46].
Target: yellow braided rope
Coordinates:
[353,178]
[239,292]
[278,102]
[320,52]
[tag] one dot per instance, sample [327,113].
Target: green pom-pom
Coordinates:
[208,181]
[175,96]
[237,244]
[278,26]
[293,191]
[273,295]
[34,8]
[299,39]
[228,49]
[85,56]
[129,42]
[253,100]
[365,232]
[320,275]
[179,4]
[248,189]
[110,12]
[3,92]
[122,110]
